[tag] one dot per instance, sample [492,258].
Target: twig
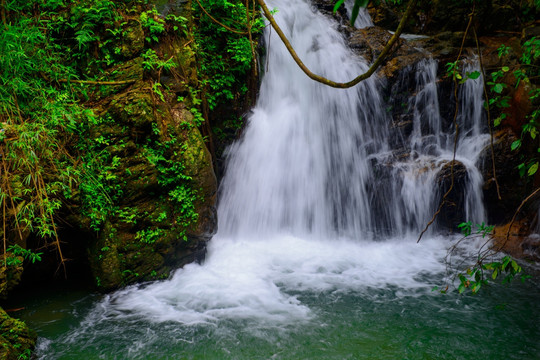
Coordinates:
[10,193]
[488,115]
[378,62]
[4,229]
[92,82]
[445,196]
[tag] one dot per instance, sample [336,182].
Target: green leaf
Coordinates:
[515,266]
[356,9]
[476,287]
[532,170]
[495,273]
[338,4]
[522,169]
[474,75]
[498,88]
[516,144]
[505,68]
[466,228]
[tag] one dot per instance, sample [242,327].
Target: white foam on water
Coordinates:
[261,279]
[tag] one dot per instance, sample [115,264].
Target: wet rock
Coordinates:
[10,275]
[513,188]
[520,242]
[432,16]
[167,209]
[453,210]
[530,31]
[133,109]
[370,42]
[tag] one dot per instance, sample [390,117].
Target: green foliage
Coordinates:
[175,183]
[16,250]
[225,57]
[527,71]
[151,61]
[484,270]
[54,151]
[149,236]
[39,120]
[100,186]
[478,275]
[154,23]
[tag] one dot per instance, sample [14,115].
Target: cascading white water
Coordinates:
[302,164]
[431,147]
[296,210]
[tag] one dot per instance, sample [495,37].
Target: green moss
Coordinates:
[17,341]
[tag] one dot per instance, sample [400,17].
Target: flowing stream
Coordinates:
[316,254]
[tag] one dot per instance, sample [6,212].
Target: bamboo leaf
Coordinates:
[338,4]
[356,9]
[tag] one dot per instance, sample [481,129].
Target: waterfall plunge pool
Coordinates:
[290,298]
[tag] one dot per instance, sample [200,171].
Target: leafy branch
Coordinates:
[484,268]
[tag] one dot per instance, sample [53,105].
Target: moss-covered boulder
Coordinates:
[17,341]
[161,181]
[11,270]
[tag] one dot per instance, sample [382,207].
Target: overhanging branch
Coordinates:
[378,62]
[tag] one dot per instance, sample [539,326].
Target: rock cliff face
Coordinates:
[435,16]
[141,195]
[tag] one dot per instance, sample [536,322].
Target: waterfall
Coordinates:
[318,174]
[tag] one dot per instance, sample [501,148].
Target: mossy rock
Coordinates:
[150,235]
[10,275]
[132,39]
[163,162]
[135,109]
[17,341]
